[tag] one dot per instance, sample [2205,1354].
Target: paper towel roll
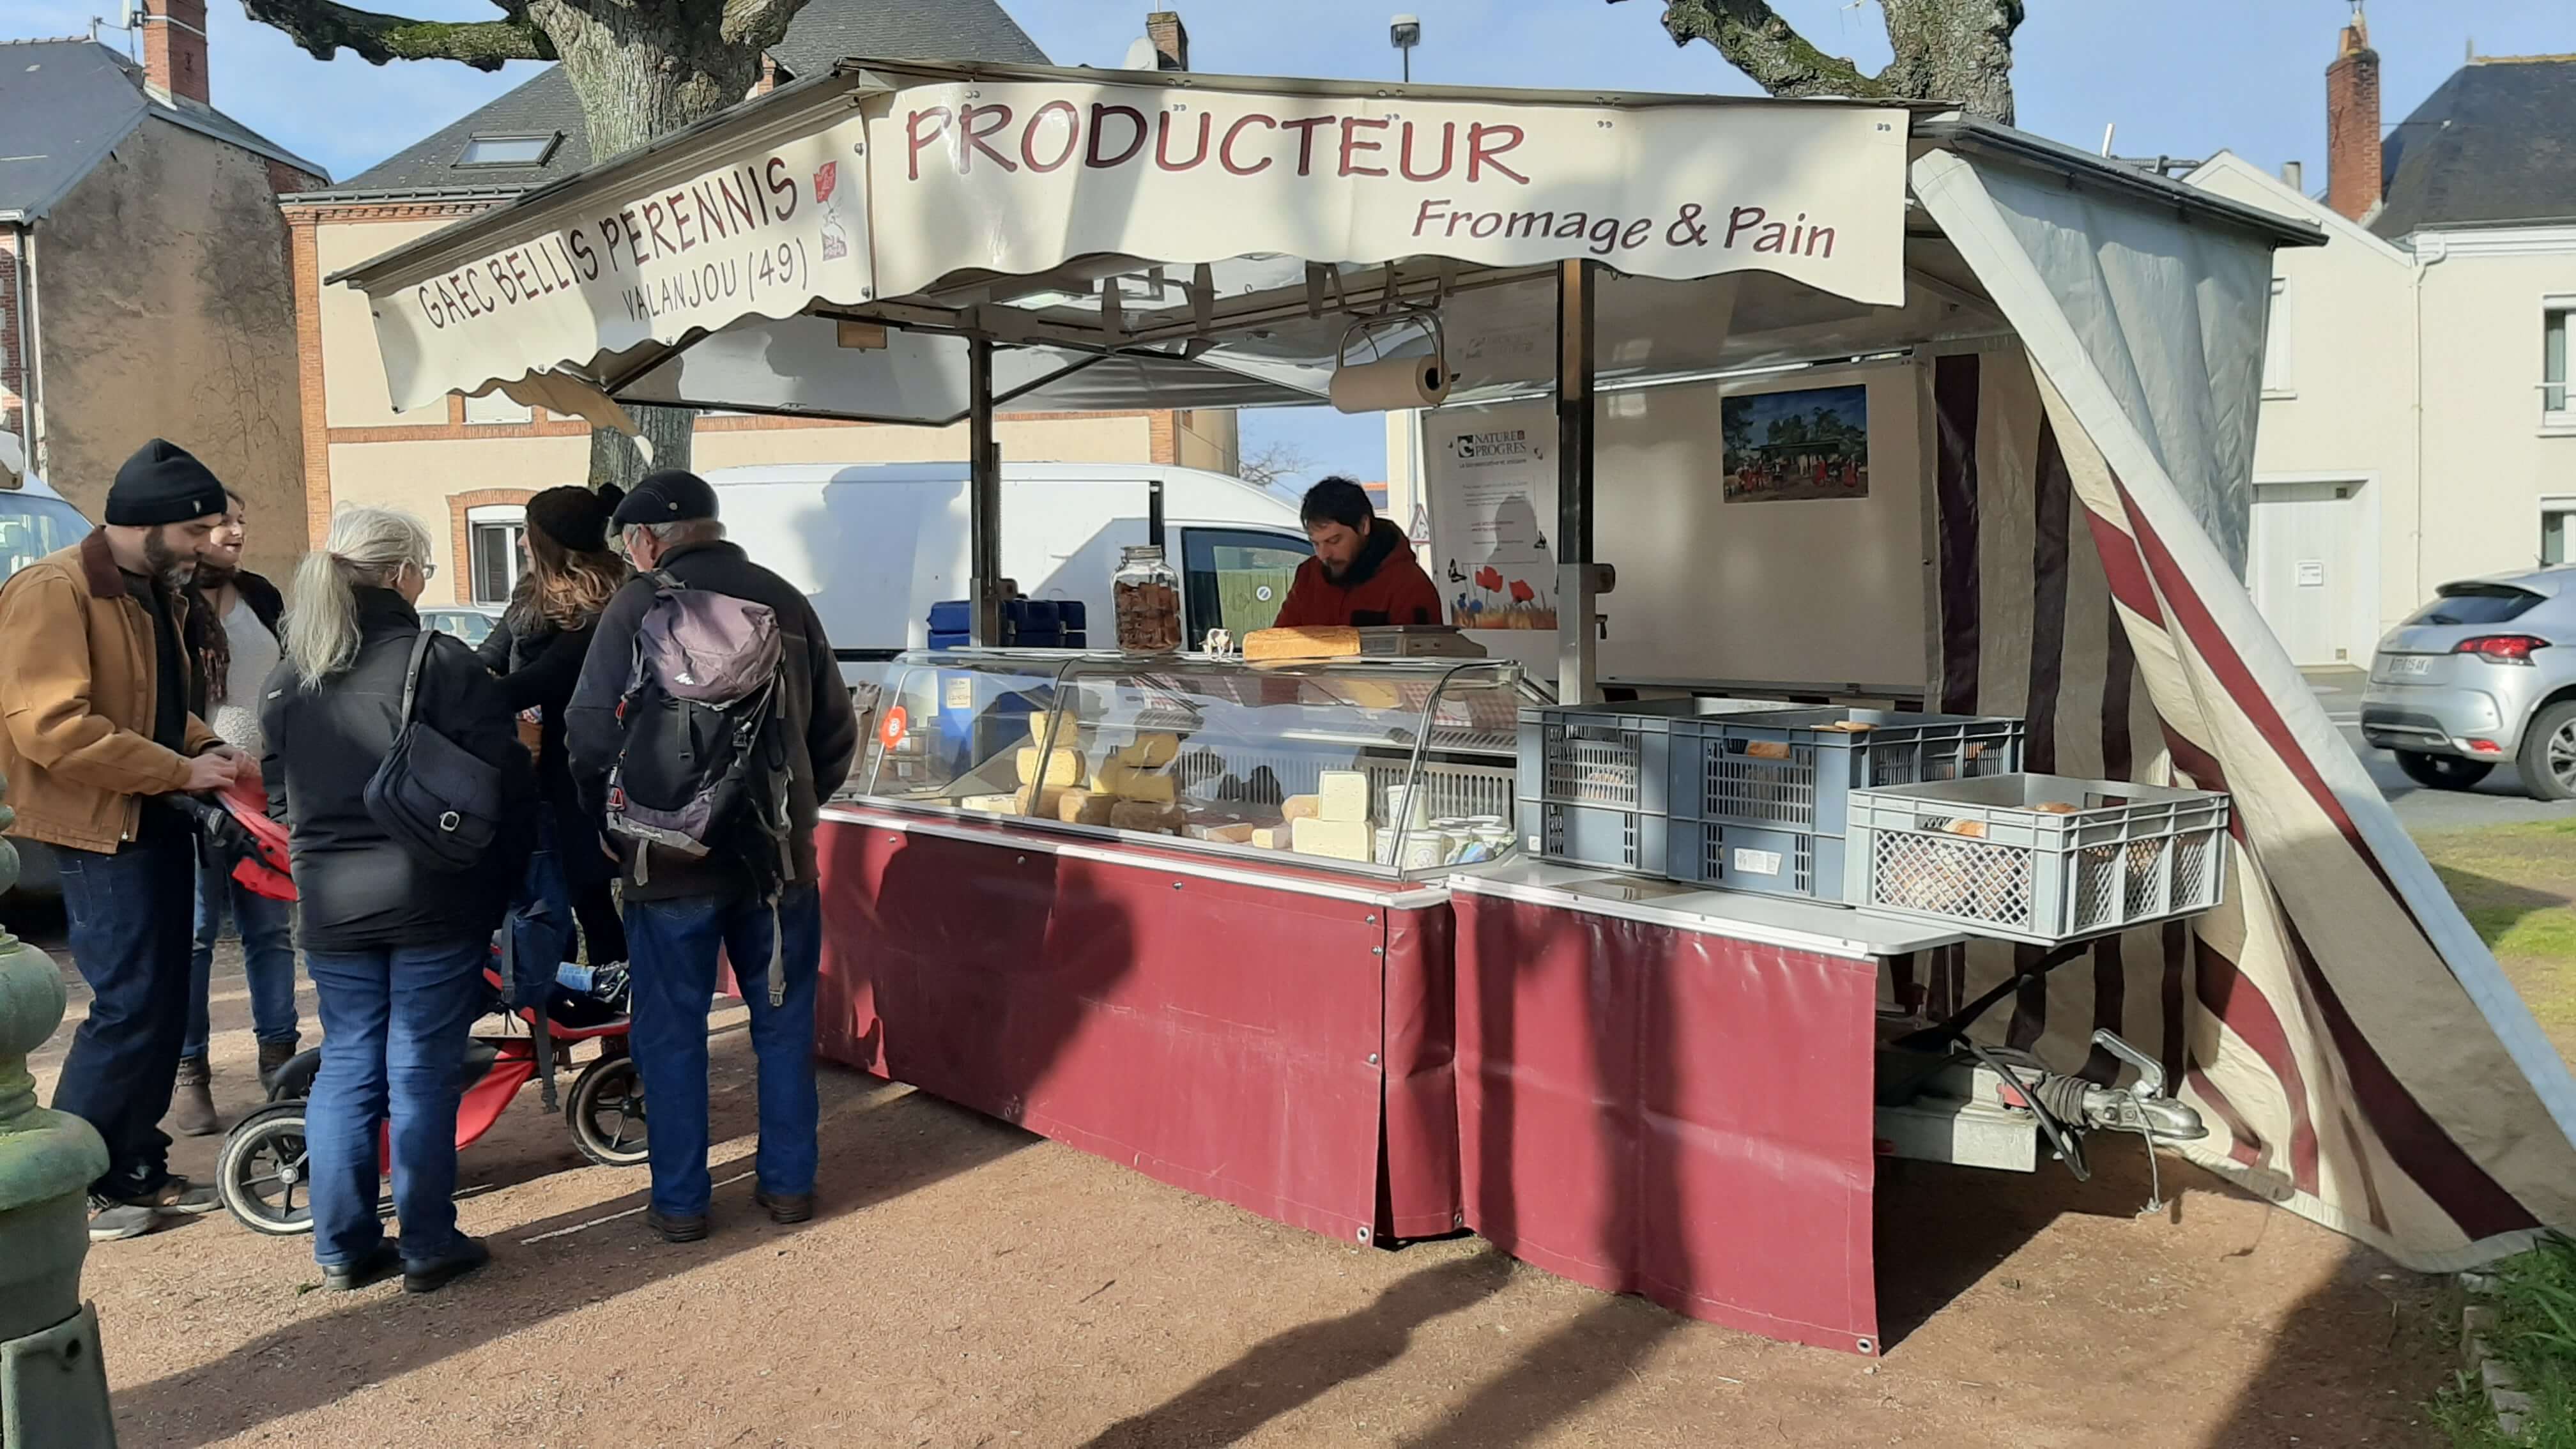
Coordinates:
[1390,384]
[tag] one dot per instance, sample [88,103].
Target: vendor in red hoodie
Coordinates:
[1363,572]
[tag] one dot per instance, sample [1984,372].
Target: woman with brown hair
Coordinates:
[537,650]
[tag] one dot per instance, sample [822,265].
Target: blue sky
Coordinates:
[2177,77]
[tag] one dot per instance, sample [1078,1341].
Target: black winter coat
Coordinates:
[357,889]
[822,725]
[538,672]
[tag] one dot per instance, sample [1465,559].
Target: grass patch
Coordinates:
[2535,1302]
[2517,886]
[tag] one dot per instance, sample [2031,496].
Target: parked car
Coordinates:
[2484,675]
[34,521]
[469,622]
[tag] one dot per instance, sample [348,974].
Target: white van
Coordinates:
[876,544]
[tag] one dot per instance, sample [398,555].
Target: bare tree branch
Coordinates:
[1755,40]
[323,28]
[1958,51]
[1273,462]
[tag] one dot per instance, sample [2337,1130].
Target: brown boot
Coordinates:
[192,1100]
[272,1055]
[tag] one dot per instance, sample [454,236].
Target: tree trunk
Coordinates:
[644,70]
[1954,50]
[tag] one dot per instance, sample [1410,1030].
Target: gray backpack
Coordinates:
[703,765]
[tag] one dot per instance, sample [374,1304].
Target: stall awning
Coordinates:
[1098,212]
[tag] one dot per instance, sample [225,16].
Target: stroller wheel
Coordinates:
[605,1110]
[262,1176]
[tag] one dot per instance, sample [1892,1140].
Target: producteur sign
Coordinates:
[1021,177]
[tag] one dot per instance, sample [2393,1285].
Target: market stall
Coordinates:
[1143,972]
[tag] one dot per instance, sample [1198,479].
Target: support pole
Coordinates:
[53,1386]
[1579,582]
[983,497]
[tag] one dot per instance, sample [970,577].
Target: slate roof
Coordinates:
[64,104]
[2496,143]
[825,31]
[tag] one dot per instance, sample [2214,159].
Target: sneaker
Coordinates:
[470,1254]
[380,1264]
[114,1222]
[785,1207]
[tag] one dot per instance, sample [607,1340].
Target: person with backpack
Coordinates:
[709,726]
[410,805]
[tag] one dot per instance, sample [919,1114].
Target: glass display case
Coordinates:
[1396,768]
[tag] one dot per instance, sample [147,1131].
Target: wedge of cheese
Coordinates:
[1152,819]
[1342,796]
[1083,807]
[1061,768]
[1332,839]
[1274,837]
[1300,807]
[1149,752]
[1235,834]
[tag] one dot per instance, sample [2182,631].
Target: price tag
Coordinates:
[892,728]
[958,692]
[1757,862]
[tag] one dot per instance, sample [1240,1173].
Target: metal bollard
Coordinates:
[53,1383]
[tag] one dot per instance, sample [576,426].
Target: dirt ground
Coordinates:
[967,1285]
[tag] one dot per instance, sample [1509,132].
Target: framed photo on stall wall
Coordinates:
[1798,446]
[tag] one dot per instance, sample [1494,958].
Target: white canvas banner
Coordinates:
[764,233]
[1022,177]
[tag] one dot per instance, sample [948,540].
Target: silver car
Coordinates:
[2484,675]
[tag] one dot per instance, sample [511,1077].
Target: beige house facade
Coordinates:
[468,468]
[2417,424]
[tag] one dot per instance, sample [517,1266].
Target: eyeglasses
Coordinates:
[428,571]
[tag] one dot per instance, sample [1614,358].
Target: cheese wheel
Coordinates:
[1061,769]
[1083,807]
[1032,800]
[1157,750]
[1144,785]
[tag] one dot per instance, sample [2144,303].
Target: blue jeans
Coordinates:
[268,954]
[541,920]
[673,946]
[394,1030]
[129,917]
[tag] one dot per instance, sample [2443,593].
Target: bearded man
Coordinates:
[94,690]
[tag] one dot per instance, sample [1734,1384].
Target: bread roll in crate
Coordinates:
[2039,858]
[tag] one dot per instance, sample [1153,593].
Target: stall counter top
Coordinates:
[1766,920]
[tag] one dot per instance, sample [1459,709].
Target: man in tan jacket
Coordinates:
[94,691]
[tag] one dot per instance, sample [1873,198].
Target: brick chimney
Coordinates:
[174,48]
[1171,40]
[2352,123]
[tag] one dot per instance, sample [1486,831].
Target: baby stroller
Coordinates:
[261,1173]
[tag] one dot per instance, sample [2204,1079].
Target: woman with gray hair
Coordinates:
[395,945]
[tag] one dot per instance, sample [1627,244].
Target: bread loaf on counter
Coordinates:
[1326,642]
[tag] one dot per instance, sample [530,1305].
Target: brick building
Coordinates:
[144,285]
[469,466]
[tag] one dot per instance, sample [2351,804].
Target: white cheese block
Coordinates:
[1342,796]
[1333,839]
[1063,768]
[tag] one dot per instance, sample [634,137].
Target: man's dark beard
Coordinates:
[1333,571]
[169,567]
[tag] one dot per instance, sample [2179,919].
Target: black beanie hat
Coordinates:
[163,483]
[573,517]
[673,495]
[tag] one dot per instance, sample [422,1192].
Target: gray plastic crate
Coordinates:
[1979,854]
[1748,782]
[1612,755]
[1627,840]
[1756,858]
